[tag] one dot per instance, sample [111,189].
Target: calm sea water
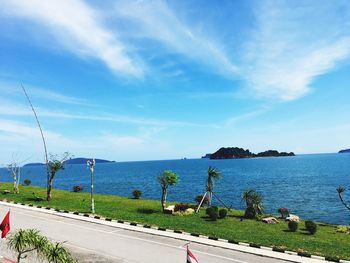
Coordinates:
[306,184]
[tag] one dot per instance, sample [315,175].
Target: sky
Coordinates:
[153,80]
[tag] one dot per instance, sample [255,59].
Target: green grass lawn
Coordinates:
[326,242]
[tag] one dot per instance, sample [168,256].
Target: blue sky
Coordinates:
[143,80]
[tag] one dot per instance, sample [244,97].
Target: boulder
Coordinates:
[169,209]
[292,217]
[270,220]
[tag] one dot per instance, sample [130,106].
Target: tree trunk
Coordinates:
[49,191]
[163,201]
[19,257]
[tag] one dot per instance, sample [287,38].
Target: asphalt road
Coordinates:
[91,242]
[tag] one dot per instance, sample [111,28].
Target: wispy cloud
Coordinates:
[9,108]
[12,89]
[79,28]
[156,21]
[293,43]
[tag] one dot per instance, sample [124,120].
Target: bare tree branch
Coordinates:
[42,135]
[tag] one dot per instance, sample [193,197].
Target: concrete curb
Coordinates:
[274,252]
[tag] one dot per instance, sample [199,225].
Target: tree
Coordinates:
[26,241]
[166,179]
[213,174]
[55,164]
[14,170]
[341,191]
[254,202]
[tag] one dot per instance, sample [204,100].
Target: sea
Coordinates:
[305,184]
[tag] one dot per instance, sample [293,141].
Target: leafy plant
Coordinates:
[254,202]
[27,182]
[284,212]
[311,227]
[55,164]
[77,188]
[25,241]
[293,226]
[136,193]
[166,178]
[181,207]
[222,213]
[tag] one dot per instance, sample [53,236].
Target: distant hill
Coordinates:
[33,164]
[84,160]
[236,153]
[344,151]
[73,161]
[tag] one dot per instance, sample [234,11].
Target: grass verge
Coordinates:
[326,242]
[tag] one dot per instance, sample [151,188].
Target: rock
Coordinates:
[270,220]
[292,217]
[169,209]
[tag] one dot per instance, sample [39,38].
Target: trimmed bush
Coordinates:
[311,227]
[293,226]
[136,193]
[77,188]
[27,182]
[212,212]
[181,207]
[222,213]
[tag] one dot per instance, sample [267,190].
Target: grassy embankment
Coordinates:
[326,242]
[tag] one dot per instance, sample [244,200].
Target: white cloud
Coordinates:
[79,28]
[156,21]
[294,42]
[9,108]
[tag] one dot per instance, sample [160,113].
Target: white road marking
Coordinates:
[130,237]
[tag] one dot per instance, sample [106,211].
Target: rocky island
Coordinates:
[236,153]
[344,151]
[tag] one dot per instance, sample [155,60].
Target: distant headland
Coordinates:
[344,151]
[236,153]
[74,161]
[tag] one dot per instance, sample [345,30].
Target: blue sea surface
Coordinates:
[306,184]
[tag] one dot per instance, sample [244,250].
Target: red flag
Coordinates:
[5,225]
[190,257]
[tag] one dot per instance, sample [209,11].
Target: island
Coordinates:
[79,160]
[344,151]
[237,153]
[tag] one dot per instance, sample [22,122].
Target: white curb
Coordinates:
[242,247]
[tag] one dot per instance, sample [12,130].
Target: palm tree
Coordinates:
[213,174]
[25,241]
[166,179]
[254,202]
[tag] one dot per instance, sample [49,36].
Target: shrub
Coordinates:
[77,188]
[199,198]
[284,212]
[311,226]
[293,226]
[27,182]
[181,207]
[254,202]
[222,213]
[136,194]
[212,212]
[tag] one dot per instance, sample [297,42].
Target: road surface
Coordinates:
[91,242]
